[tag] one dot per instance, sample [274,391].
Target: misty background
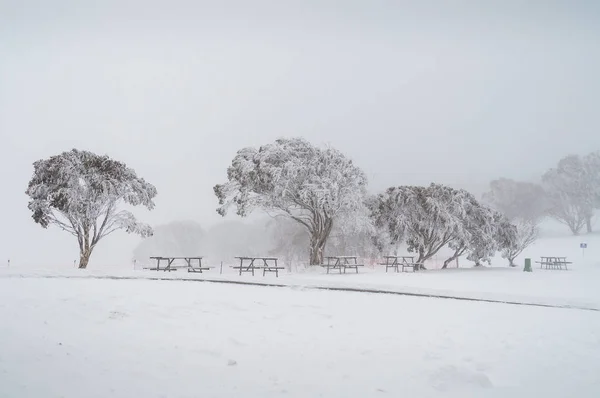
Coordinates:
[456,92]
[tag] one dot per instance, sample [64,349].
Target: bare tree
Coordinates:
[80,192]
[312,186]
[570,193]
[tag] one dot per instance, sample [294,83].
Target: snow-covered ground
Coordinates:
[63,337]
[576,287]
[73,333]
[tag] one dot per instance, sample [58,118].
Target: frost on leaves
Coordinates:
[429,218]
[426,218]
[311,185]
[80,192]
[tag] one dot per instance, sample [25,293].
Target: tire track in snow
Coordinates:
[308,287]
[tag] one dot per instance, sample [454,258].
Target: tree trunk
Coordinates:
[420,260]
[318,240]
[316,252]
[457,254]
[511,262]
[588,224]
[574,230]
[448,261]
[84,258]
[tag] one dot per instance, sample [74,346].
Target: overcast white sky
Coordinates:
[456,92]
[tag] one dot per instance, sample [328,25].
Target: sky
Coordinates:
[457,92]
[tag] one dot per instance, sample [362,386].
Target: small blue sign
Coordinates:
[583,245]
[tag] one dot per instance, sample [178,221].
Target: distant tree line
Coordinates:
[318,201]
[568,193]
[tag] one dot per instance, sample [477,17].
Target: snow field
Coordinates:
[123,338]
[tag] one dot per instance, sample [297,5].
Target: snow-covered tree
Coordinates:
[524,234]
[494,233]
[472,235]
[571,193]
[81,192]
[380,238]
[517,199]
[312,186]
[426,218]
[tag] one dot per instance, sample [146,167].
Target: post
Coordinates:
[221,271]
[527,265]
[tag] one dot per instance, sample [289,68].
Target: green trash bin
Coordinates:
[527,265]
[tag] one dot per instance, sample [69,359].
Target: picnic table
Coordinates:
[395,262]
[267,264]
[553,262]
[342,262]
[190,264]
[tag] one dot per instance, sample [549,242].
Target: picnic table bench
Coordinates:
[342,262]
[267,264]
[190,264]
[554,262]
[395,262]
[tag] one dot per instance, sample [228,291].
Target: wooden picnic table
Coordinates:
[342,262]
[269,264]
[395,262]
[554,262]
[190,263]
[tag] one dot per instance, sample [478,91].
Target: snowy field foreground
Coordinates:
[118,332]
[62,337]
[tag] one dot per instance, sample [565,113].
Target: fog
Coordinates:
[457,92]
